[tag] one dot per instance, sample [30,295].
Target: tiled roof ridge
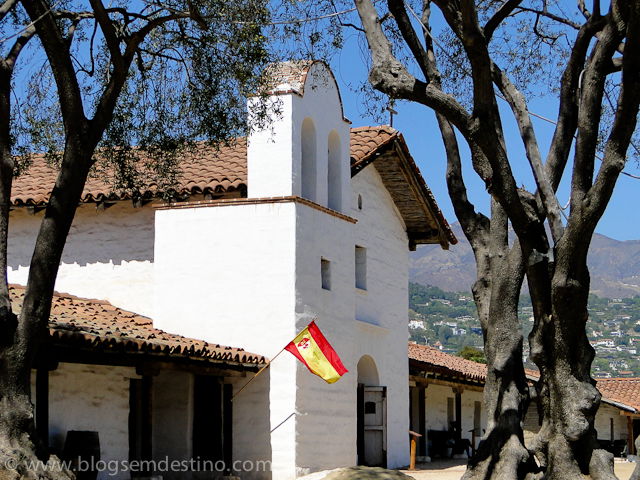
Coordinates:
[290,74]
[618,379]
[431,355]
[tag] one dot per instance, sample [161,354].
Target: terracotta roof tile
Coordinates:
[621,390]
[99,325]
[216,171]
[455,365]
[365,141]
[206,170]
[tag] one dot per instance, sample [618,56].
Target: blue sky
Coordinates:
[417,123]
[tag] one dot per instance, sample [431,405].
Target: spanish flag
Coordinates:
[312,349]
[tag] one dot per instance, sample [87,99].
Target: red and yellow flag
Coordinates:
[312,349]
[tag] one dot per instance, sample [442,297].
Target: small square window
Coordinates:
[361,268]
[325,273]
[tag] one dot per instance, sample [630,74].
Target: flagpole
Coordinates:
[268,364]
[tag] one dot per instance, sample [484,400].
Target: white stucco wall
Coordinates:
[603,426]
[227,275]
[381,310]
[274,154]
[262,284]
[436,409]
[91,397]
[108,254]
[252,427]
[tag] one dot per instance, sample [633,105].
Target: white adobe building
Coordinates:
[319,227]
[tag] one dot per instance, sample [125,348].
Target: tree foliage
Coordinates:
[473,354]
[122,88]
[477,65]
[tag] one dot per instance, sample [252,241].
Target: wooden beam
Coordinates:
[624,413]
[458,420]
[95,356]
[446,383]
[422,427]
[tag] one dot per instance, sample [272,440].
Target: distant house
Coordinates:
[309,218]
[446,405]
[446,400]
[414,324]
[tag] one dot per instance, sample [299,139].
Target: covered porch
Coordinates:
[144,402]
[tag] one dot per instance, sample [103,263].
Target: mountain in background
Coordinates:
[614,266]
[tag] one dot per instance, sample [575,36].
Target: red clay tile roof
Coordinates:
[451,364]
[365,142]
[80,322]
[621,390]
[210,171]
[206,171]
[402,178]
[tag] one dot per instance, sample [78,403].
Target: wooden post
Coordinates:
[630,443]
[413,436]
[458,419]
[422,421]
[146,446]
[412,462]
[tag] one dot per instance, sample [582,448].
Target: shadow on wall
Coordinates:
[118,234]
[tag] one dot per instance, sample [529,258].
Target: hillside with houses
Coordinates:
[448,321]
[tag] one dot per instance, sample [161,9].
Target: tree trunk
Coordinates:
[501,453]
[561,349]
[21,452]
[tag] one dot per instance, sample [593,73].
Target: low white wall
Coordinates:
[436,409]
[602,423]
[91,397]
[605,414]
[108,254]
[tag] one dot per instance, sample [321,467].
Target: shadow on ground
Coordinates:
[365,473]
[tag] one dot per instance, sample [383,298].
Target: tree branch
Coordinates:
[57,52]
[568,108]
[6,7]
[389,76]
[589,112]
[551,16]
[109,32]
[624,123]
[397,8]
[501,14]
[474,225]
[19,44]
[518,105]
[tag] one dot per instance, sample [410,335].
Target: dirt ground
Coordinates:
[453,470]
